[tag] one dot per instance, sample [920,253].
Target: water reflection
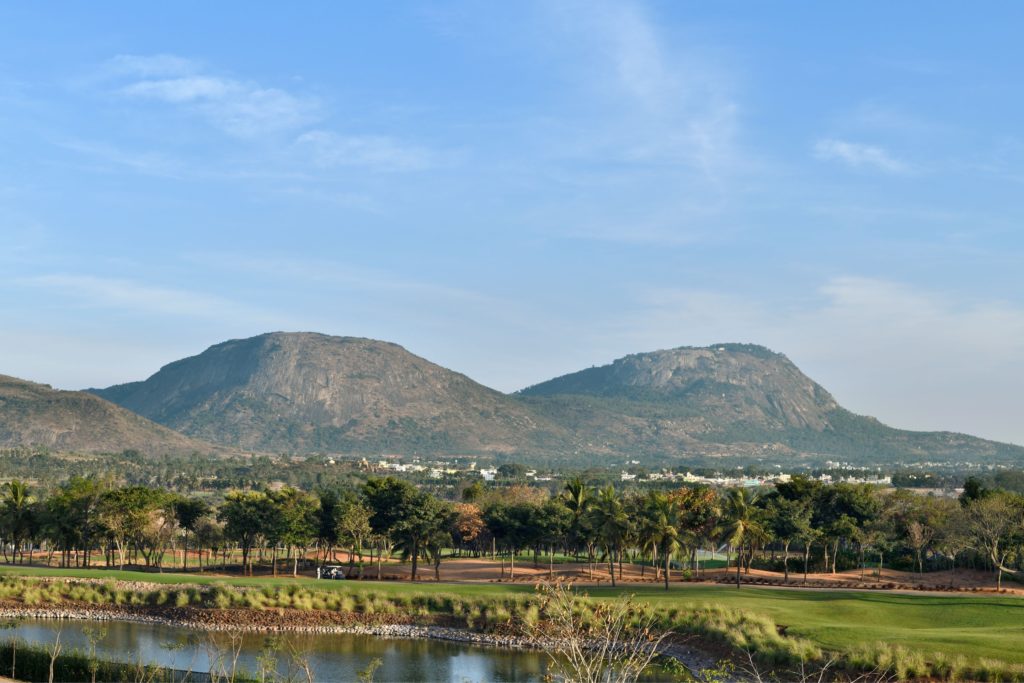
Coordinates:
[336,657]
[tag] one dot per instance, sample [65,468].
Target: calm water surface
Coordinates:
[335,657]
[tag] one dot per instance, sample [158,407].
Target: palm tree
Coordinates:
[577,498]
[610,524]
[666,529]
[647,532]
[741,523]
[17,514]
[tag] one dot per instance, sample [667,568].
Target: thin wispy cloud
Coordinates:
[240,108]
[653,131]
[150,66]
[637,55]
[186,89]
[131,295]
[145,162]
[377,152]
[679,108]
[248,109]
[342,276]
[859,155]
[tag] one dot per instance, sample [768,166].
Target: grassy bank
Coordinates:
[34,662]
[951,636]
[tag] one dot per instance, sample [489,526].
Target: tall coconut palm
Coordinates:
[647,530]
[608,519]
[17,514]
[577,498]
[741,523]
[666,529]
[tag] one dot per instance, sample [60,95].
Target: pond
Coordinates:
[332,657]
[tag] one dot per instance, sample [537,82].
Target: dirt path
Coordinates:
[473,570]
[485,570]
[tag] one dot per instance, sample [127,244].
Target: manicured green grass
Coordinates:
[974,626]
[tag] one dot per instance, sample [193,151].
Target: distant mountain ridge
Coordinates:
[725,381]
[729,399]
[37,415]
[307,392]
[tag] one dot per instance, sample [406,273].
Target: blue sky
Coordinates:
[519,190]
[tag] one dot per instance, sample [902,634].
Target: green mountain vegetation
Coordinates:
[307,393]
[40,416]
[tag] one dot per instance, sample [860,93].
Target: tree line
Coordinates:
[800,525]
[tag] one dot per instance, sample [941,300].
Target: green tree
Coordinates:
[577,497]
[296,515]
[389,500]
[189,512]
[699,512]
[245,515]
[512,471]
[841,513]
[607,517]
[130,516]
[666,529]
[472,492]
[995,523]
[209,536]
[327,522]
[741,523]
[354,528]
[17,515]
[420,524]
[513,527]
[789,521]
[73,519]
[555,521]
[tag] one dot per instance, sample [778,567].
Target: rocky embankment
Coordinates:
[256,621]
[304,621]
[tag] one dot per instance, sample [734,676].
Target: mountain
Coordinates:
[723,384]
[732,399]
[38,415]
[307,392]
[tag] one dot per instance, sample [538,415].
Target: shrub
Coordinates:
[254,600]
[33,664]
[222,597]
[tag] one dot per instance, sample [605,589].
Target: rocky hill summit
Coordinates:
[720,383]
[308,392]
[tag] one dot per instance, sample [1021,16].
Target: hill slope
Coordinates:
[306,392]
[730,399]
[37,415]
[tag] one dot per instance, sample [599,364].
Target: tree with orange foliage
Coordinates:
[468,525]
